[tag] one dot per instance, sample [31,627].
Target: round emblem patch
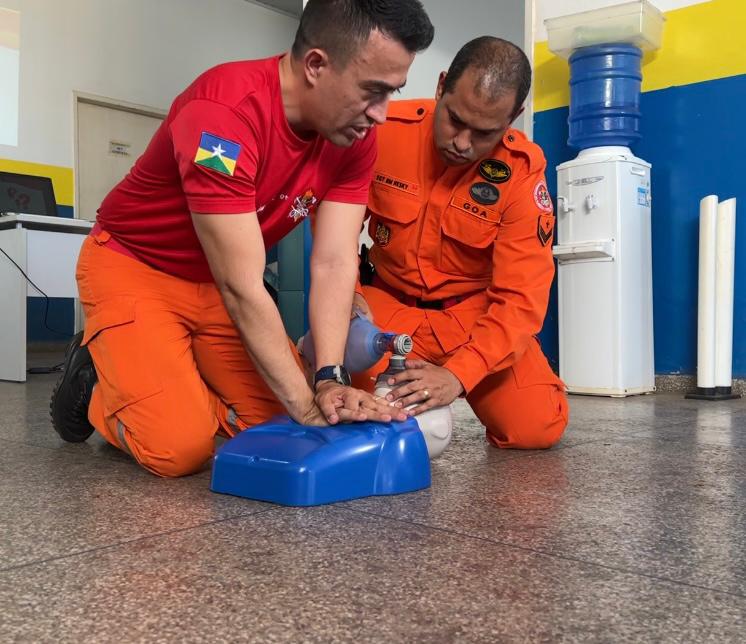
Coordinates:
[484,193]
[542,198]
[494,170]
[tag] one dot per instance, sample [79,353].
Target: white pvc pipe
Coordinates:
[725,255]
[706,314]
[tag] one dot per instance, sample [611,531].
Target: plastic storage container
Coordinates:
[283,462]
[605,96]
[636,23]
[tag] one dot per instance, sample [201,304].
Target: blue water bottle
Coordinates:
[366,344]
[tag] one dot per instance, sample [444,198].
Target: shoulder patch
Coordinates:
[542,198]
[545,229]
[217,154]
[495,170]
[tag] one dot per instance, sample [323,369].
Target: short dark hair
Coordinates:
[340,27]
[502,66]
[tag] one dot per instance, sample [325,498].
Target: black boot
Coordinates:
[69,405]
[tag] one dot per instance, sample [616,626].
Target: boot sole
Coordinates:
[59,422]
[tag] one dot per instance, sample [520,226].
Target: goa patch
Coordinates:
[494,170]
[383,234]
[542,198]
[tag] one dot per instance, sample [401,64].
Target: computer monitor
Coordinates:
[27,194]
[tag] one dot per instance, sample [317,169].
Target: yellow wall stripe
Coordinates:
[63,179]
[701,42]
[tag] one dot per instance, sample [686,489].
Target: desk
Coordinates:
[47,249]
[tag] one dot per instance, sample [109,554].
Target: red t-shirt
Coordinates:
[226,148]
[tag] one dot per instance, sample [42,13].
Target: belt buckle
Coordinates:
[433,305]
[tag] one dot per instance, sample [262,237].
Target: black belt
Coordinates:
[410,300]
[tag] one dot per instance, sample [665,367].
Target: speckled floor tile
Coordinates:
[649,506]
[595,418]
[330,575]
[655,408]
[53,503]
[25,414]
[631,529]
[725,430]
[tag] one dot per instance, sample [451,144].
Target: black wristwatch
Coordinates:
[336,372]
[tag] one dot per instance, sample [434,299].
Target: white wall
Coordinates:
[455,24]
[138,51]
[9,70]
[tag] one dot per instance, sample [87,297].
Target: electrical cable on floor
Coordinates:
[57,367]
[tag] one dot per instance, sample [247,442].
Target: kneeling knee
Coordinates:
[528,432]
[170,453]
[525,438]
[183,457]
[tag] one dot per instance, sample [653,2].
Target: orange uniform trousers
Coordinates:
[172,370]
[523,406]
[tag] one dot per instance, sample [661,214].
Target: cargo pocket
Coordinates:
[466,249]
[120,353]
[393,216]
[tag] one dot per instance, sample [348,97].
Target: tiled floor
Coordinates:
[632,529]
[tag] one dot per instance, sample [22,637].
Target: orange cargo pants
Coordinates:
[523,406]
[172,370]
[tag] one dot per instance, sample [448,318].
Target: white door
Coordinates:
[109,142]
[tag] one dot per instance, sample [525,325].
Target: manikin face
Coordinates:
[468,125]
[346,103]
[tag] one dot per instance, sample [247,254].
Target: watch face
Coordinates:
[342,376]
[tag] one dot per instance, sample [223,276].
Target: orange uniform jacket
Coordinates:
[485,228]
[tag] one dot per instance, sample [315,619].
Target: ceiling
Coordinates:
[290,7]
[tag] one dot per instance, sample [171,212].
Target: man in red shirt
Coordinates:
[185,339]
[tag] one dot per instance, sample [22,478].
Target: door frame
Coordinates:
[529,38]
[110,103]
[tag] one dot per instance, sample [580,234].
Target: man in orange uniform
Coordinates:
[462,225]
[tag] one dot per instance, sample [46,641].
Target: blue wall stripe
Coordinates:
[695,139]
[60,319]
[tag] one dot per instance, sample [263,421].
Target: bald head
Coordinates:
[500,68]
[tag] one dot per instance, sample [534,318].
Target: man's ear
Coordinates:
[517,114]
[315,63]
[439,88]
